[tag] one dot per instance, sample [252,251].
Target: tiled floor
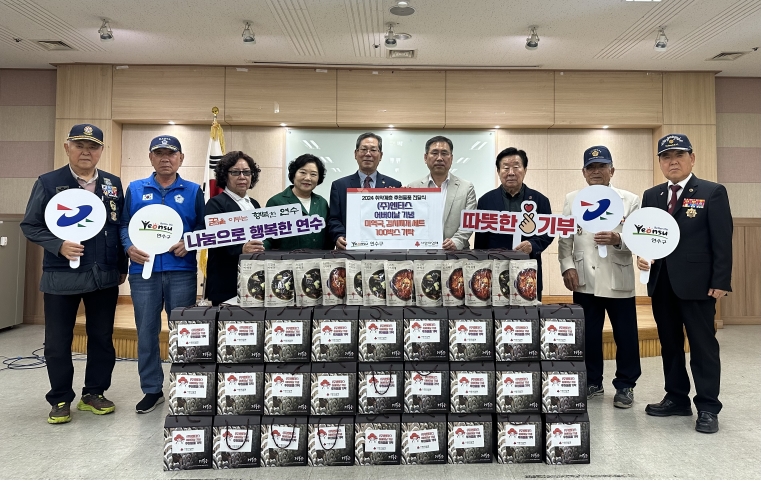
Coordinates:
[625,443]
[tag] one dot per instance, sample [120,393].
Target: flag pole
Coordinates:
[203,257]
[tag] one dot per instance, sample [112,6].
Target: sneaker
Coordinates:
[61,413]
[624,398]
[95,403]
[593,390]
[149,403]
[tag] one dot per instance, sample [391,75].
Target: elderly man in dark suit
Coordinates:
[368,153]
[685,285]
[511,169]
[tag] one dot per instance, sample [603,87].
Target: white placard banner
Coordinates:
[398,218]
[154,229]
[75,215]
[598,208]
[650,233]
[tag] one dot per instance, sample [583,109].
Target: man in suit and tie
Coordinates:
[459,194]
[685,285]
[368,152]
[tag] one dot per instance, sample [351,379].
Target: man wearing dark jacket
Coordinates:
[102,268]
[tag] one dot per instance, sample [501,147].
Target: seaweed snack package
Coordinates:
[284,441]
[373,282]
[381,388]
[251,282]
[424,439]
[334,333]
[516,333]
[354,292]
[519,438]
[523,283]
[278,276]
[471,334]
[564,387]
[287,389]
[567,438]
[562,331]
[477,277]
[426,387]
[192,334]
[240,389]
[400,286]
[237,441]
[333,272]
[472,387]
[240,335]
[377,439]
[380,334]
[428,282]
[426,334]
[187,443]
[334,388]
[287,334]
[331,441]
[500,285]
[470,438]
[519,387]
[192,389]
[308,282]
[453,284]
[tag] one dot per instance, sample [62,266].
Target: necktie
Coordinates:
[366,185]
[674,197]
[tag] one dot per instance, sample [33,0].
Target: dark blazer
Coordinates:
[703,258]
[222,266]
[492,200]
[337,217]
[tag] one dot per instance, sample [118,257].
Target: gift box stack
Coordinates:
[378,357]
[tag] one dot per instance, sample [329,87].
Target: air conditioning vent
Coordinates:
[53,45]
[401,53]
[728,56]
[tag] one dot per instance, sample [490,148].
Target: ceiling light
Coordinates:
[496,126]
[661,41]
[248,34]
[171,122]
[390,126]
[604,126]
[402,9]
[283,125]
[532,42]
[392,37]
[106,35]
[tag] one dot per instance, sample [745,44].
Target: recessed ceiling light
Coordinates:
[390,126]
[171,122]
[604,126]
[496,126]
[283,125]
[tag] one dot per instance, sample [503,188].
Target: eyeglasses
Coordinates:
[364,150]
[435,153]
[237,173]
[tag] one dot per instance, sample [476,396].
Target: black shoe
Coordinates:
[149,403]
[668,408]
[624,398]
[707,422]
[594,390]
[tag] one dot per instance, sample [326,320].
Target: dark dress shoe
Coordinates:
[668,408]
[707,422]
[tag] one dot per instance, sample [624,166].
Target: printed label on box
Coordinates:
[240,384]
[424,441]
[330,387]
[565,435]
[236,441]
[333,332]
[379,332]
[564,385]
[560,332]
[287,332]
[330,437]
[192,334]
[287,385]
[469,332]
[472,384]
[518,383]
[187,441]
[380,440]
[516,332]
[381,385]
[283,437]
[189,385]
[424,331]
[520,435]
[241,334]
[469,436]
[429,385]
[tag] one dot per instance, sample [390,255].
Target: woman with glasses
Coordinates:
[236,173]
[306,172]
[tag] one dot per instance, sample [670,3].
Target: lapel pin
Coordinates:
[691,190]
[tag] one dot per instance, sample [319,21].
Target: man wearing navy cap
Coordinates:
[601,284]
[102,268]
[685,285]
[173,282]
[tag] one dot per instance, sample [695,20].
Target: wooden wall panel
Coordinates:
[183,94]
[375,98]
[271,96]
[505,98]
[735,304]
[703,140]
[110,160]
[743,305]
[753,270]
[84,92]
[34,308]
[689,98]
[621,99]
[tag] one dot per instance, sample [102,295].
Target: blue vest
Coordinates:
[104,249]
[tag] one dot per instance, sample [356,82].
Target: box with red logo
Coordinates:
[192,389]
[240,335]
[240,389]
[470,439]
[567,439]
[287,336]
[472,387]
[380,334]
[287,389]
[284,441]
[426,334]
[562,332]
[426,387]
[193,334]
[237,442]
[377,439]
[334,388]
[564,387]
[519,387]
[380,387]
[331,441]
[519,438]
[187,443]
[516,333]
[334,333]
[424,439]
[471,334]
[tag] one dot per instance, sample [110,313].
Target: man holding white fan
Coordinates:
[604,282]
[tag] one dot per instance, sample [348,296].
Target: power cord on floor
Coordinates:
[37,361]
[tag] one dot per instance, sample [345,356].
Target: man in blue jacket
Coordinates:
[173,282]
[511,169]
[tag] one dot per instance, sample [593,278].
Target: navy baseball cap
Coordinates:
[165,142]
[86,132]
[674,142]
[599,154]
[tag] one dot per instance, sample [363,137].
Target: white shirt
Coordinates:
[243,202]
[681,184]
[305,202]
[444,186]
